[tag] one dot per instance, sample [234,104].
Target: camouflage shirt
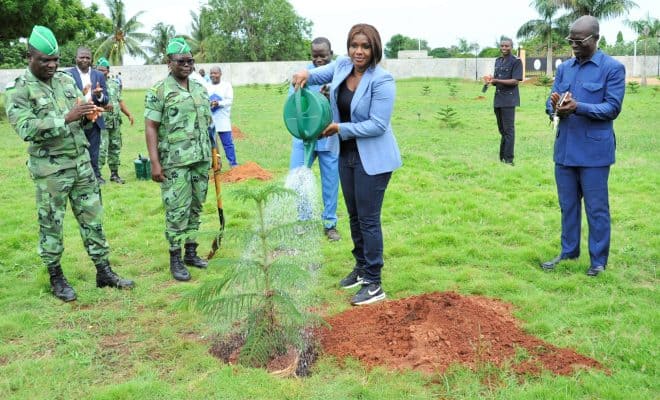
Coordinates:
[37,110]
[112,118]
[184,117]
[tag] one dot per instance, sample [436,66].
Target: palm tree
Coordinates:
[161,35]
[198,35]
[124,37]
[601,9]
[646,29]
[544,27]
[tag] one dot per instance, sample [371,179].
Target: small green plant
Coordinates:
[283,87]
[2,107]
[633,86]
[453,89]
[544,80]
[267,86]
[263,297]
[655,91]
[426,90]
[448,116]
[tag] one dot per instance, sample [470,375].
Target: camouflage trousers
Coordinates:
[110,148]
[184,192]
[77,185]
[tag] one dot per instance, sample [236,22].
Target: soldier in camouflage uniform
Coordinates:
[47,110]
[177,117]
[111,134]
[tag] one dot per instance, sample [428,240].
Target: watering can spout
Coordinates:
[310,146]
[306,114]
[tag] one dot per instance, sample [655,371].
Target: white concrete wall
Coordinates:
[276,72]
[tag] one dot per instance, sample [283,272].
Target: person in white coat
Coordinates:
[221,96]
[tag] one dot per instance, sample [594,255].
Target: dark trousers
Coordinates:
[364,195]
[590,183]
[94,138]
[505,123]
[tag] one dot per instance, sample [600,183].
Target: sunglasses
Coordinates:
[185,61]
[579,42]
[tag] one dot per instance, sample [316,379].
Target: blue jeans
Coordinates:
[329,182]
[364,196]
[228,145]
[590,183]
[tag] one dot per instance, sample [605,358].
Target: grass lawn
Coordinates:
[454,218]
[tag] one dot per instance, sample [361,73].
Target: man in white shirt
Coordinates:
[221,96]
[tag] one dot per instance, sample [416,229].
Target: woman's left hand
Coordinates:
[330,130]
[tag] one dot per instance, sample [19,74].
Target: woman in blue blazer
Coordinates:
[362,99]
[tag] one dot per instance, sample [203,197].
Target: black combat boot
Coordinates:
[179,271]
[114,176]
[58,284]
[191,258]
[105,276]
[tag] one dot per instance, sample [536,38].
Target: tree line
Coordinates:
[545,34]
[270,30]
[227,30]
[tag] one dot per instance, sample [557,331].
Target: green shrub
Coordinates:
[453,89]
[448,116]
[544,80]
[633,86]
[3,114]
[263,297]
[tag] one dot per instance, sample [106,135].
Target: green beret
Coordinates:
[43,40]
[177,46]
[103,62]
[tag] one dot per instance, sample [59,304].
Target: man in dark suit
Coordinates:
[594,84]
[92,83]
[508,72]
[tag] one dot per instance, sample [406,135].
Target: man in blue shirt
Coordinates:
[585,142]
[327,156]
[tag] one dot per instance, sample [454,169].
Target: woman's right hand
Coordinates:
[331,129]
[299,79]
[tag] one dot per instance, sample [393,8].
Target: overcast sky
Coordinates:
[440,22]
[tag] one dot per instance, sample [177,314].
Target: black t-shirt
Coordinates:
[344,98]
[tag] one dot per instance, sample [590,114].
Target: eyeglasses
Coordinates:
[579,42]
[185,61]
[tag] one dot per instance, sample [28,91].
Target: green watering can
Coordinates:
[306,114]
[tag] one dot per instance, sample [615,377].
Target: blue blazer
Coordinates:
[371,111]
[586,137]
[95,76]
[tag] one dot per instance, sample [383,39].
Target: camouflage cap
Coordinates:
[178,45]
[103,62]
[43,40]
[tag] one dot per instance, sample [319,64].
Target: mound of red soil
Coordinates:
[430,332]
[237,133]
[249,170]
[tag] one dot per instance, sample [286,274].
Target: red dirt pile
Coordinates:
[249,170]
[432,331]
